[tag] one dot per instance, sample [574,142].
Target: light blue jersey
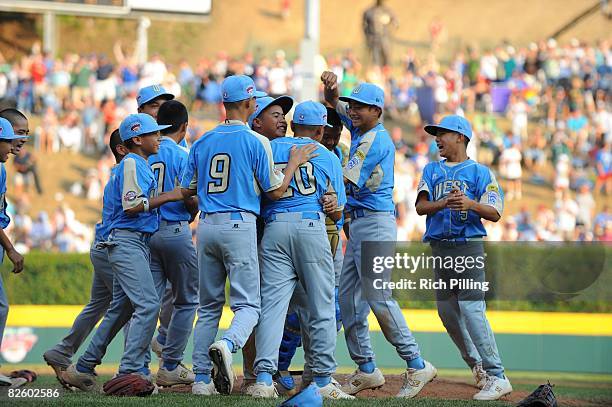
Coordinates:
[476,181]
[319,175]
[168,166]
[4,218]
[370,166]
[229,167]
[338,152]
[103,227]
[134,182]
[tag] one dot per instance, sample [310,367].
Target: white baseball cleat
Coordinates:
[416,379]
[361,381]
[180,375]
[494,389]
[204,389]
[262,391]
[480,376]
[82,381]
[333,392]
[223,374]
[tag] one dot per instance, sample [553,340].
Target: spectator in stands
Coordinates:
[26,172]
[70,135]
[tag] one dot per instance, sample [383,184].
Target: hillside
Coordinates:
[255,25]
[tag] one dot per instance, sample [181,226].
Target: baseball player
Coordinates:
[228,168]
[269,116]
[269,121]
[7,141]
[368,175]
[133,199]
[455,194]
[19,121]
[295,249]
[59,356]
[173,256]
[149,100]
[295,321]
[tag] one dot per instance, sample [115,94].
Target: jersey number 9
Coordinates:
[219,173]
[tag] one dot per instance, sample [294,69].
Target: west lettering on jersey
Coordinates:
[474,180]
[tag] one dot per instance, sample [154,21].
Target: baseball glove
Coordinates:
[128,385]
[543,396]
[29,375]
[333,235]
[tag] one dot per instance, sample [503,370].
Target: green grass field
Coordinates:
[572,390]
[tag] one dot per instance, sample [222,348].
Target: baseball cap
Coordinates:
[451,123]
[239,87]
[309,397]
[137,124]
[310,113]
[366,93]
[285,102]
[149,93]
[6,130]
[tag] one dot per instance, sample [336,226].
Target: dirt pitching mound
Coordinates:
[447,389]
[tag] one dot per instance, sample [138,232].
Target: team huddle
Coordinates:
[270,211]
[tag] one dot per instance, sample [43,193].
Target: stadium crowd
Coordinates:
[542,114]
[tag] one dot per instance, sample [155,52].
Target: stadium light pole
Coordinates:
[142,44]
[309,50]
[49,33]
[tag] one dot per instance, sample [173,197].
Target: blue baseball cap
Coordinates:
[309,397]
[310,113]
[285,102]
[367,93]
[138,124]
[149,93]
[239,87]
[6,130]
[454,123]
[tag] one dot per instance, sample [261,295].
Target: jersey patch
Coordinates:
[357,158]
[492,188]
[492,198]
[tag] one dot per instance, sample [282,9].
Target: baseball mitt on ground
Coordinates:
[29,375]
[128,385]
[543,396]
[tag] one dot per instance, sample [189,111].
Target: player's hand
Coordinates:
[299,156]
[330,80]
[459,202]
[16,259]
[174,195]
[330,203]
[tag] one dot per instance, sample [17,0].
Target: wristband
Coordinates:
[145,203]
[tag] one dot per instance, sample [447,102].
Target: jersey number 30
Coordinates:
[219,173]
